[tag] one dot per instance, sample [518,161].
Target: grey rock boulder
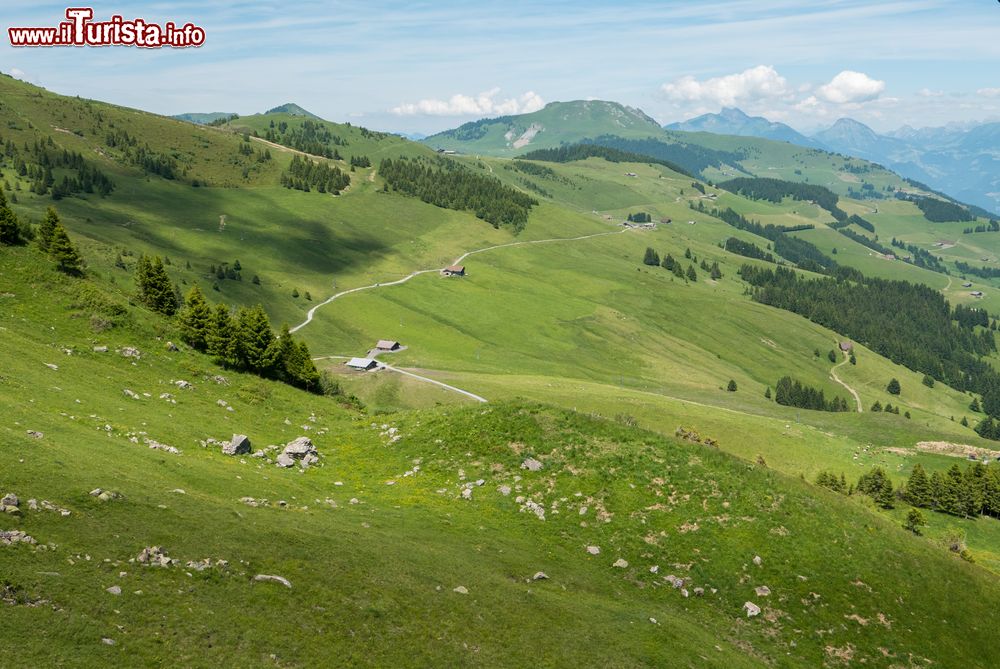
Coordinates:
[238,445]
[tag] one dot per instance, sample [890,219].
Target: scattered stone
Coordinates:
[271,577]
[108,642]
[114,590]
[51,366]
[757,561]
[35,434]
[222,403]
[762,591]
[131,352]
[157,446]
[171,346]
[32,505]
[128,393]
[652,620]
[238,445]
[100,349]
[620,564]
[540,576]
[462,590]
[504,490]
[301,450]
[9,537]
[674,581]
[751,609]
[594,550]
[154,556]
[699,592]
[184,385]
[221,380]
[10,499]
[531,464]
[466,493]
[655,568]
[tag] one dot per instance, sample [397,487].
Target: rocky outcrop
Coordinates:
[154,556]
[299,450]
[238,445]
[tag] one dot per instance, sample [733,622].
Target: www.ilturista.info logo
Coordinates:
[81,30]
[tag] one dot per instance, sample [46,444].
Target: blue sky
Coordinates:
[426,66]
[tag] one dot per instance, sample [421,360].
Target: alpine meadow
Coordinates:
[491,380]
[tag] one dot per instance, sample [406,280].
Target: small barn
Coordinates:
[364,364]
[976,293]
[967,284]
[454,270]
[846,346]
[387,345]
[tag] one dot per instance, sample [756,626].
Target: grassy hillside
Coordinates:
[377,538]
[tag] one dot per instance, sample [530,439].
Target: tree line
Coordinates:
[938,211]
[573,152]
[774,190]
[747,249]
[309,137]
[911,324]
[451,186]
[51,237]
[243,340]
[305,174]
[793,393]
[36,161]
[982,272]
[676,267]
[921,257]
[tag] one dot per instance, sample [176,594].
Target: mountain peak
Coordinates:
[734,121]
[291,108]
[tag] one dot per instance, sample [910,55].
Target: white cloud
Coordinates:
[928,93]
[17,74]
[486,103]
[989,92]
[850,87]
[753,84]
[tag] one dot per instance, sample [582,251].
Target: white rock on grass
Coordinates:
[238,445]
[531,464]
[751,609]
[594,550]
[462,590]
[620,563]
[271,577]
[540,576]
[114,590]
[762,591]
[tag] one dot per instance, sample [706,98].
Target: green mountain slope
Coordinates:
[388,560]
[557,124]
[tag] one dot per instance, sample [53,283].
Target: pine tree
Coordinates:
[876,407]
[854,360]
[964,422]
[668,262]
[918,488]
[196,320]
[715,272]
[295,292]
[893,387]
[47,228]
[61,250]
[928,380]
[974,405]
[155,288]
[767,393]
[222,335]
[832,355]
[692,275]
[687,253]
[914,521]
[10,228]
[253,341]
[951,500]
[731,386]
[651,257]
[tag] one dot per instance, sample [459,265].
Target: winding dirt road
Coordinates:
[312,312]
[852,391]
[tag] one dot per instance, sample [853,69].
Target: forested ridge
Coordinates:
[449,185]
[910,324]
[774,190]
[565,154]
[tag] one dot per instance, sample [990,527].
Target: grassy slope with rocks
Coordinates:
[373,580]
[606,335]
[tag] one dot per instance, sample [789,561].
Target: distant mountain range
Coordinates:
[963,162]
[732,121]
[204,118]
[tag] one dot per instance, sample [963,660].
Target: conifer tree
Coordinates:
[951,500]
[10,228]
[832,355]
[253,341]
[221,336]
[196,320]
[731,387]
[62,250]
[767,393]
[692,275]
[668,262]
[893,387]
[715,272]
[47,228]
[914,521]
[155,288]
[974,405]
[651,257]
[918,488]
[876,407]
